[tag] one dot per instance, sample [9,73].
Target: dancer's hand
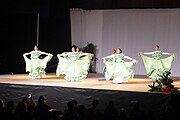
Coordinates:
[104,60]
[141,53]
[134,59]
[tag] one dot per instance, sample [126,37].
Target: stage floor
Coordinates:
[93,81]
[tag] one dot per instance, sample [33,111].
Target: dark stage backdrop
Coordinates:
[18,32]
[18,35]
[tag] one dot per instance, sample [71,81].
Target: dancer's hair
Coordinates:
[120,50]
[113,51]
[157,46]
[74,46]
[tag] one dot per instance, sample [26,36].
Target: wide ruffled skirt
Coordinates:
[36,67]
[119,71]
[74,70]
[156,67]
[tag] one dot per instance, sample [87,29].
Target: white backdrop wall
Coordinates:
[132,30]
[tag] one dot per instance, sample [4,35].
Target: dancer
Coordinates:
[74,65]
[155,66]
[117,69]
[35,65]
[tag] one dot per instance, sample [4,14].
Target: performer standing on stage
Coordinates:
[117,69]
[74,65]
[155,65]
[35,65]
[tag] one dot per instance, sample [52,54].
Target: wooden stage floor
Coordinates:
[93,81]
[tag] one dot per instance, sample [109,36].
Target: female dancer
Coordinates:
[34,65]
[155,66]
[117,69]
[74,65]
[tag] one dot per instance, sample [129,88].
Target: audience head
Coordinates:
[10,105]
[70,105]
[42,99]
[21,107]
[82,108]
[75,102]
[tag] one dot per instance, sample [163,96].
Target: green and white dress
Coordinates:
[155,65]
[117,69]
[74,65]
[36,66]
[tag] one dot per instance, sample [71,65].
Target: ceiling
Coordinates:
[124,4]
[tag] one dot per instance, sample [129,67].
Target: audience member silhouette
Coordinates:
[30,104]
[42,110]
[110,112]
[82,112]
[10,111]
[93,112]
[70,113]
[22,112]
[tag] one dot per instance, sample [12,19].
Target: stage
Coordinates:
[93,81]
[59,91]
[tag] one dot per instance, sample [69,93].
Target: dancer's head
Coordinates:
[35,47]
[157,47]
[118,51]
[113,51]
[73,49]
[78,49]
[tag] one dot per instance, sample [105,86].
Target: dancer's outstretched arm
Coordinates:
[107,57]
[44,53]
[127,57]
[166,53]
[148,53]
